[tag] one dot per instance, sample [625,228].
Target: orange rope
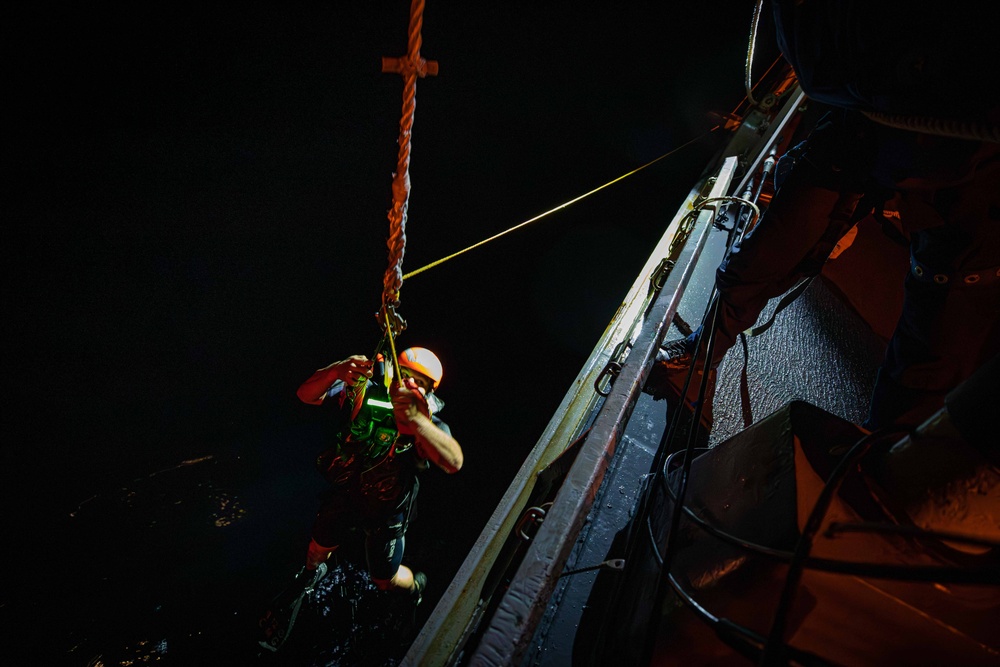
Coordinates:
[410,67]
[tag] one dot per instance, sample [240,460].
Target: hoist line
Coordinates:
[392,349]
[410,67]
[557,208]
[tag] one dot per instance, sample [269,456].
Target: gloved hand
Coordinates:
[408,401]
[353,370]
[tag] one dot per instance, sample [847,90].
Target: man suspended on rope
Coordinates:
[386,437]
[947,186]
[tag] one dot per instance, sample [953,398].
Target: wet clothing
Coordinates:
[372,471]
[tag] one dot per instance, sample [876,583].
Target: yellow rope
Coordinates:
[553,210]
[395,358]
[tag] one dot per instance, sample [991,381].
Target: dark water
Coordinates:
[179,566]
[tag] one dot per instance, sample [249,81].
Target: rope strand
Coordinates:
[410,67]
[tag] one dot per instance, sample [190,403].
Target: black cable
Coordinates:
[744,641]
[774,648]
[675,517]
[897,572]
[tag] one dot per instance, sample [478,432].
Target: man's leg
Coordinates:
[818,186]
[277,621]
[403,580]
[328,531]
[317,554]
[384,548]
[792,240]
[950,324]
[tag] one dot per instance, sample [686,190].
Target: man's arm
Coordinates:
[350,370]
[433,443]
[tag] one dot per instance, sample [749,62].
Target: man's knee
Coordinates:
[395,581]
[402,579]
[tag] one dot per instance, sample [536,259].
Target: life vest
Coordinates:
[369,457]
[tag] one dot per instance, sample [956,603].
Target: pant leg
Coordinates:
[950,323]
[331,525]
[384,547]
[819,184]
[792,239]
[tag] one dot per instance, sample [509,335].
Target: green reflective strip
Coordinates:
[379,404]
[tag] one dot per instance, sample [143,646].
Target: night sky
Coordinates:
[195,220]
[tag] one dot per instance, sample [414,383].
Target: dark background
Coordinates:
[195,220]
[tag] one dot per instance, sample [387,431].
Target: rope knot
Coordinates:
[407,66]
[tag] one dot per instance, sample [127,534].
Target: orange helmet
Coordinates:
[423,361]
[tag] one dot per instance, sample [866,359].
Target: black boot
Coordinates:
[308,579]
[419,584]
[276,623]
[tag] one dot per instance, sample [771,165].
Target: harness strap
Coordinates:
[745,385]
[786,301]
